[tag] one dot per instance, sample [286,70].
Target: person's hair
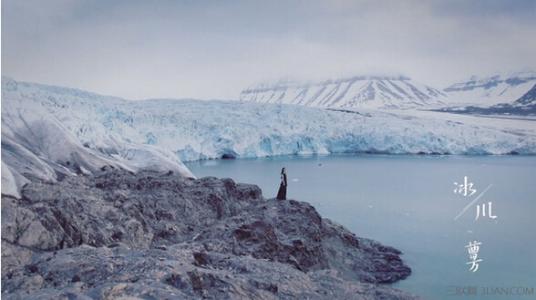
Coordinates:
[283,170]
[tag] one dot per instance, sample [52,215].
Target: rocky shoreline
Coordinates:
[153,235]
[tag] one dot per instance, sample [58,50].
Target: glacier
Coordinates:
[50,131]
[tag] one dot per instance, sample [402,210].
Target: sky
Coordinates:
[140,49]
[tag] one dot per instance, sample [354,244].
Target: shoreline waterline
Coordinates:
[406,201]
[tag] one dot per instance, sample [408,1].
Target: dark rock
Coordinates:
[159,235]
[32,268]
[272,288]
[176,281]
[201,259]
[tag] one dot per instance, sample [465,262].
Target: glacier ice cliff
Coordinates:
[49,132]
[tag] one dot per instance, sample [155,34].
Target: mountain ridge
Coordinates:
[491,90]
[369,91]
[523,106]
[392,92]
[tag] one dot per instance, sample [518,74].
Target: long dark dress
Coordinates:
[282,193]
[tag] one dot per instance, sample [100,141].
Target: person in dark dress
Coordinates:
[282,193]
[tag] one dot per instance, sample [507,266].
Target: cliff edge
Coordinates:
[163,236]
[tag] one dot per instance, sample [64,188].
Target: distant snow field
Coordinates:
[50,131]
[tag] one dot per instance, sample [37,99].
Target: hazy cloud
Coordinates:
[213,49]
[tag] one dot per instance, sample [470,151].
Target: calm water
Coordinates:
[408,202]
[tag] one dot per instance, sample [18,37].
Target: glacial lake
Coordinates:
[408,202]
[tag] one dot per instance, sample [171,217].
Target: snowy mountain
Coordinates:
[491,90]
[528,99]
[524,106]
[49,131]
[353,92]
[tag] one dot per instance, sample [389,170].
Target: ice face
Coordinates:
[48,131]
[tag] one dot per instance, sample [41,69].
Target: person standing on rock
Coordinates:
[282,193]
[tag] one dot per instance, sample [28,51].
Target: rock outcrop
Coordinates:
[163,236]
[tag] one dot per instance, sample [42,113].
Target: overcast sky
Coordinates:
[214,49]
